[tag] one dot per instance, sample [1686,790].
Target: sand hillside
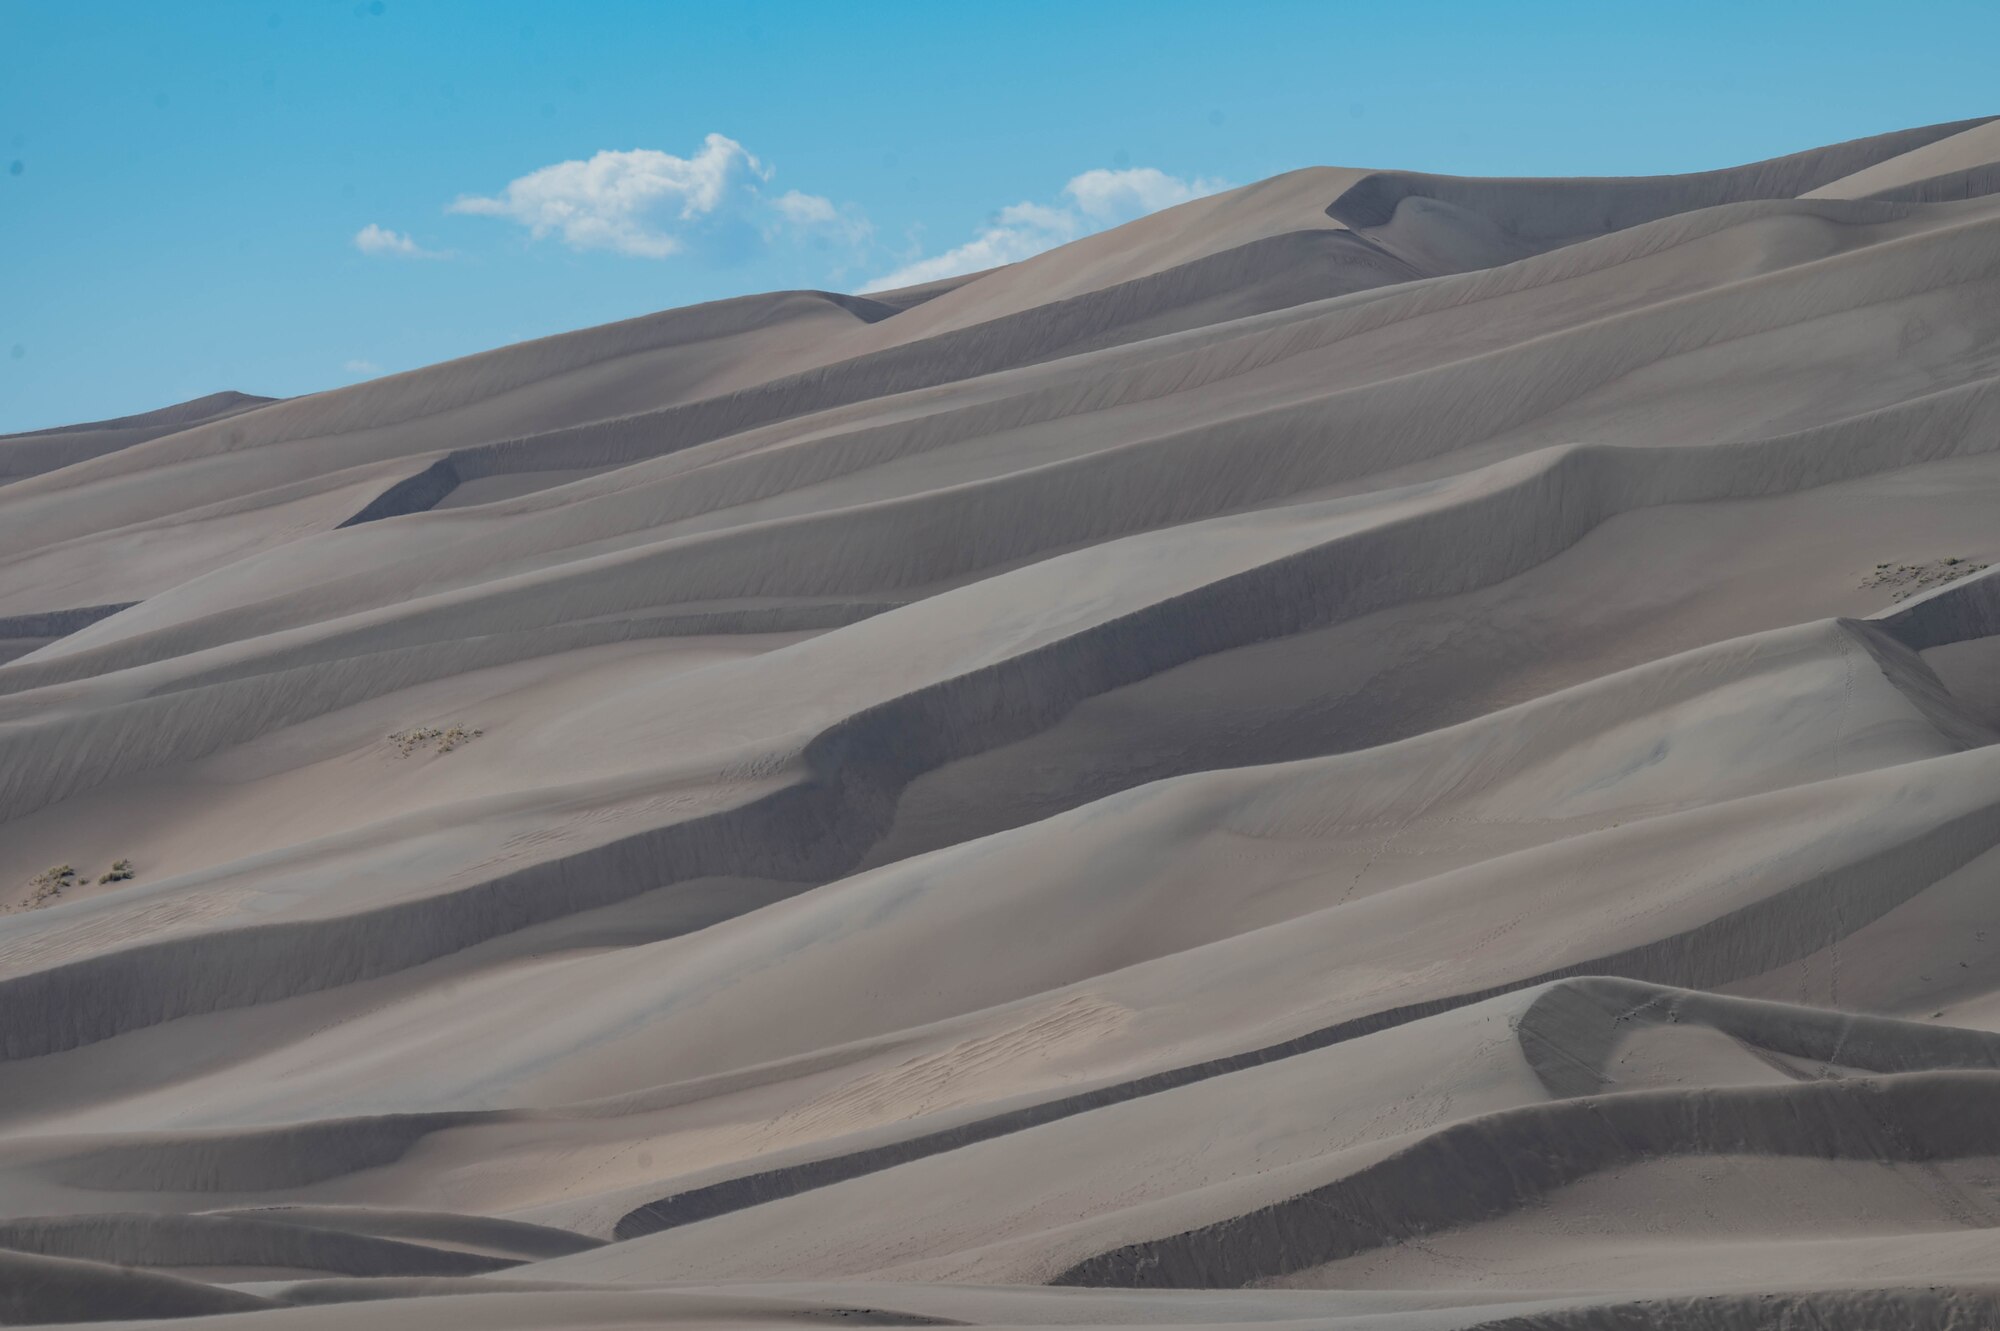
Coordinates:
[1388,751]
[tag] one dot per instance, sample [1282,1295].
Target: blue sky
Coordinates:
[286,197]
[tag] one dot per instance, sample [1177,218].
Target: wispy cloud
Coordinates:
[362,367]
[1090,202]
[652,204]
[813,215]
[1018,232]
[1119,196]
[718,204]
[380,242]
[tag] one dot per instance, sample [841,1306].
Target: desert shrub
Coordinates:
[409,741]
[1909,579]
[49,884]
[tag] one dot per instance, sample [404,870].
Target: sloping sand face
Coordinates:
[1382,750]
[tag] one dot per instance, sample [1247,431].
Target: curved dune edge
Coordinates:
[57,1290]
[1376,748]
[1500,1164]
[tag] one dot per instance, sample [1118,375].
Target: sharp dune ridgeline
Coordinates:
[1399,752]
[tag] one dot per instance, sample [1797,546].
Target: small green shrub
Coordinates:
[119,871]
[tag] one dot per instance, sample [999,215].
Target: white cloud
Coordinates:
[380,241]
[367,367]
[810,215]
[1017,235]
[1040,217]
[623,201]
[1097,199]
[1113,196]
[805,209]
[652,204]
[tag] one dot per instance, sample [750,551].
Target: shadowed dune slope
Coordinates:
[1402,752]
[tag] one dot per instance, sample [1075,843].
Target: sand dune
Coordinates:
[1383,749]
[48,450]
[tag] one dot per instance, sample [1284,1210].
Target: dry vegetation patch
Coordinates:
[1909,579]
[445,740]
[49,885]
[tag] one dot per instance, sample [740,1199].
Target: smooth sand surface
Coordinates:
[1390,751]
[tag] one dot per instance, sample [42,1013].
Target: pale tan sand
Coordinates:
[1339,753]
[47,450]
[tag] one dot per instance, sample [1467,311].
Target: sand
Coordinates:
[1375,749]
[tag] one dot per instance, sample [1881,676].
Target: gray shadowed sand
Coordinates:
[1342,752]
